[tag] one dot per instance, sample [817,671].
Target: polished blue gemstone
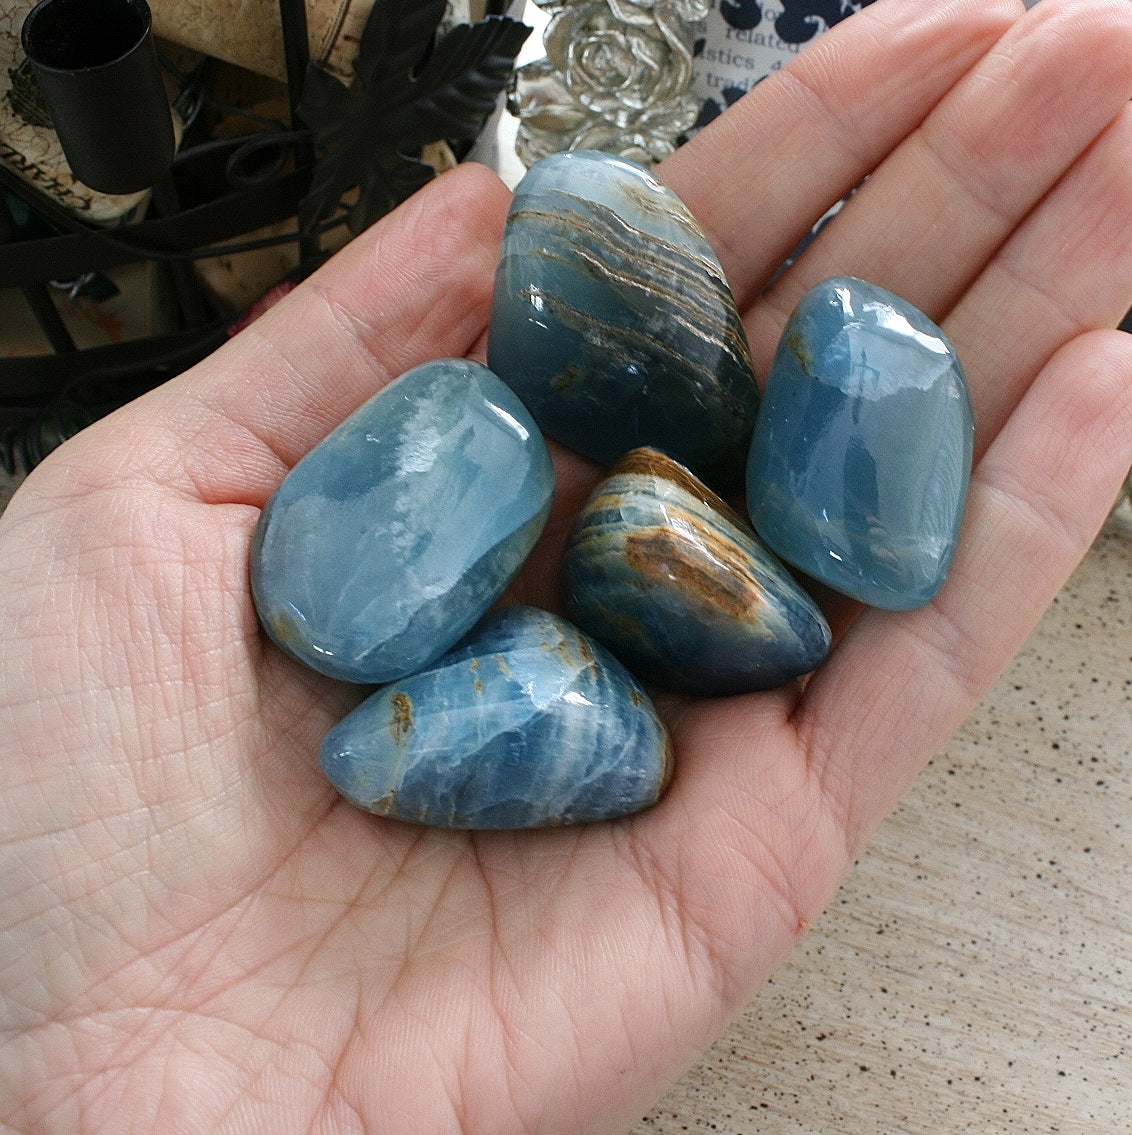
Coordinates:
[526,723]
[391,538]
[667,576]
[861,457]
[612,320]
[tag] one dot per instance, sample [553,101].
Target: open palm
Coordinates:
[200,937]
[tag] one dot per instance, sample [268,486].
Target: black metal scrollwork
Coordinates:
[410,92]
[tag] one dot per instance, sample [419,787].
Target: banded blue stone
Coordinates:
[861,458]
[677,586]
[526,723]
[612,320]
[393,536]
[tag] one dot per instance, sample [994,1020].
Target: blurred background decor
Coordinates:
[291,126]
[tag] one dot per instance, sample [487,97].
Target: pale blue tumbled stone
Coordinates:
[391,538]
[526,723]
[861,456]
[612,320]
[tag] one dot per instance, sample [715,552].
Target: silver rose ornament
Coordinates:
[616,77]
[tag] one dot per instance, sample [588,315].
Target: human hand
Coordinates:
[199,936]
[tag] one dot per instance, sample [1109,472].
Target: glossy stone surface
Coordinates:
[391,538]
[679,588]
[861,457]
[613,323]
[526,723]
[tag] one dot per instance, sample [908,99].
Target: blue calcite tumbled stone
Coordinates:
[861,457]
[667,576]
[391,538]
[612,320]
[526,723]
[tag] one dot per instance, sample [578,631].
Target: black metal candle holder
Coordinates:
[97,70]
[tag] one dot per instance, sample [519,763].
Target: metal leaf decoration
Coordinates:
[410,91]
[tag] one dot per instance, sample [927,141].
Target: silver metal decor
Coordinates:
[616,77]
